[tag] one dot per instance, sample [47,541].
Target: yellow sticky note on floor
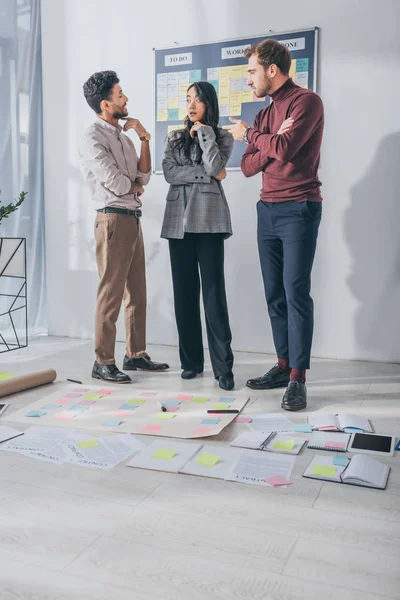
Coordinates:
[4,376]
[208,460]
[88,444]
[326,471]
[288,445]
[136,401]
[165,415]
[92,396]
[199,400]
[221,407]
[164,454]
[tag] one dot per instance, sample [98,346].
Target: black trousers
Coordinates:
[207,251]
[287,239]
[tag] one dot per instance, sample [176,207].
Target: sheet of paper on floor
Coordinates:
[253,467]
[105,454]
[270,422]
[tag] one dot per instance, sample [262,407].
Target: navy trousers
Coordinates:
[287,237]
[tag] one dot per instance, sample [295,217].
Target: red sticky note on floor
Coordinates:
[61,401]
[121,413]
[183,397]
[172,408]
[104,391]
[277,480]
[152,428]
[330,428]
[243,419]
[201,431]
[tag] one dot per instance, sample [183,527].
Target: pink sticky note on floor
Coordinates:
[148,394]
[121,413]
[336,445]
[152,428]
[201,431]
[79,390]
[172,408]
[66,416]
[183,397]
[86,402]
[104,391]
[61,401]
[330,428]
[76,395]
[277,480]
[243,419]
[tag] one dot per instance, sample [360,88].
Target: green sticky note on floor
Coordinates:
[220,407]
[164,454]
[88,444]
[136,401]
[92,397]
[165,415]
[199,400]
[288,445]
[208,460]
[4,376]
[325,471]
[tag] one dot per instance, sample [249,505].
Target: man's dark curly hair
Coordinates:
[98,87]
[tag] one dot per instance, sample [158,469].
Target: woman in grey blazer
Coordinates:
[196,223]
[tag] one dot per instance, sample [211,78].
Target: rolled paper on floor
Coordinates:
[26,382]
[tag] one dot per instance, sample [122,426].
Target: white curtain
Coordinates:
[21,144]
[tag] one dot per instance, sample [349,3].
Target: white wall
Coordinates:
[356,283]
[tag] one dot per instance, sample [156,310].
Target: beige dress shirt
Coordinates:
[109,163]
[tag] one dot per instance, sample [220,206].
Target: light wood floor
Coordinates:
[70,533]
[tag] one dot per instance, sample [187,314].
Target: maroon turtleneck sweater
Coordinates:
[289,162]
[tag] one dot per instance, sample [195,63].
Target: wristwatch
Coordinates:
[146,137]
[245,135]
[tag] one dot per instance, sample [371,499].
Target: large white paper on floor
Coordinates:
[8,433]
[166,455]
[254,467]
[104,452]
[270,422]
[202,463]
[43,443]
[127,410]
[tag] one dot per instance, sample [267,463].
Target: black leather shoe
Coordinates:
[145,363]
[226,382]
[295,397]
[109,373]
[275,378]
[188,374]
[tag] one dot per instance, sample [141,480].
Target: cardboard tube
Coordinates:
[26,382]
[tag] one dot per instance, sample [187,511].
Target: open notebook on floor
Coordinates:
[324,440]
[271,442]
[360,470]
[340,422]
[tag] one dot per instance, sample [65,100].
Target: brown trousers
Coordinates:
[121,266]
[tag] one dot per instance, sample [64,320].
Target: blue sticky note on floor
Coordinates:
[171,403]
[352,429]
[78,408]
[226,400]
[340,461]
[398,445]
[210,421]
[35,413]
[50,406]
[111,422]
[302,428]
[128,406]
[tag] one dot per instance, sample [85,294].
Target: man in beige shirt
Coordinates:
[116,178]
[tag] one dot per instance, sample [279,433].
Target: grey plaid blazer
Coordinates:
[196,201]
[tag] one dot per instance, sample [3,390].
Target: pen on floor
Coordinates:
[163,408]
[223,412]
[74,381]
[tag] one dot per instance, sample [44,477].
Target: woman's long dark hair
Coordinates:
[207,94]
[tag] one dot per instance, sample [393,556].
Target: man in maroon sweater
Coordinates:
[284,144]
